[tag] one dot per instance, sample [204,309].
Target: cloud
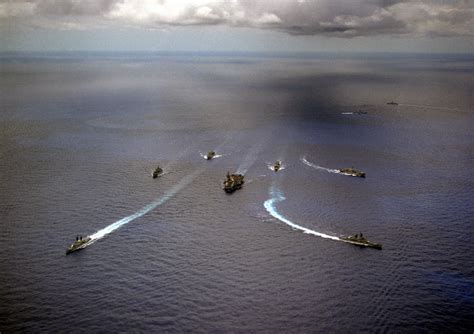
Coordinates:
[74,8]
[267,18]
[345,18]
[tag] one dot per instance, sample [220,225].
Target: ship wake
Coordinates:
[270,205]
[426,106]
[204,156]
[310,164]
[250,158]
[272,167]
[217,149]
[143,211]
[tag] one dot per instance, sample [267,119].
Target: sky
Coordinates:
[429,26]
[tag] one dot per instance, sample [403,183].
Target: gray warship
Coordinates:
[233,182]
[210,155]
[157,172]
[360,240]
[79,244]
[392,103]
[277,166]
[351,172]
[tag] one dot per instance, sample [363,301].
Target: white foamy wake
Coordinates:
[310,164]
[272,167]
[204,156]
[250,158]
[277,197]
[217,149]
[428,106]
[173,191]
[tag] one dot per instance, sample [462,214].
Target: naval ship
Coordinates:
[233,182]
[277,166]
[351,172]
[360,240]
[79,244]
[157,172]
[210,155]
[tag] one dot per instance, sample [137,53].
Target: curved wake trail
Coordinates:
[276,197]
[310,164]
[173,191]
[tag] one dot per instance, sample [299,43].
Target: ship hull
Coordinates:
[231,190]
[353,174]
[233,183]
[363,244]
[75,248]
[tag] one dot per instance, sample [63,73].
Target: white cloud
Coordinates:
[268,18]
[345,18]
[16,9]
[205,13]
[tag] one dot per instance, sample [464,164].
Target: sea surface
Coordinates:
[81,134]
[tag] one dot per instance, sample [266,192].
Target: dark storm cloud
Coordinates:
[79,8]
[345,18]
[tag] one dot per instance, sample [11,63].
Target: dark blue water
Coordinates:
[81,134]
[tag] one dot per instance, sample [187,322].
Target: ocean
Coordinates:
[81,134]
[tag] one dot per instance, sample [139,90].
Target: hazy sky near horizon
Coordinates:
[238,25]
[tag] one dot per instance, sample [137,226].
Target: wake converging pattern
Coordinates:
[173,191]
[270,206]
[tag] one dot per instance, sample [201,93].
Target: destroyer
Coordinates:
[79,244]
[351,172]
[392,103]
[360,240]
[277,166]
[233,182]
[210,155]
[157,172]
